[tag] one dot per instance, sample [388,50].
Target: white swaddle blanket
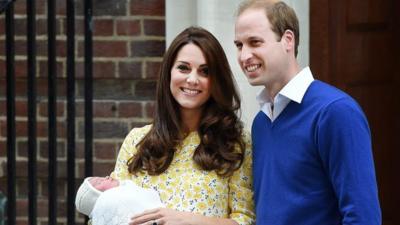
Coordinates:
[117,205]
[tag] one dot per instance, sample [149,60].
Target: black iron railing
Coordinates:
[32,149]
[11,158]
[71,110]
[8,7]
[4,5]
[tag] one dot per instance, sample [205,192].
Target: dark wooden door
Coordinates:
[355,45]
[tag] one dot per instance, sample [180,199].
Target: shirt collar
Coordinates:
[298,85]
[293,90]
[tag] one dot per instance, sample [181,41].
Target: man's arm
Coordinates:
[344,142]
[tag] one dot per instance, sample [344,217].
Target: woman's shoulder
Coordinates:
[137,133]
[141,130]
[246,136]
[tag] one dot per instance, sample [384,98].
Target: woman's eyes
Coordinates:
[204,71]
[183,68]
[186,69]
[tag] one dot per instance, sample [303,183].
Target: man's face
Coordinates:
[259,53]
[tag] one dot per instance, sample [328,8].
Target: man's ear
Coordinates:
[289,40]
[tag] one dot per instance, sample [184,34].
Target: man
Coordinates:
[312,153]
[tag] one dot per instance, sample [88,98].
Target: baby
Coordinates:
[111,202]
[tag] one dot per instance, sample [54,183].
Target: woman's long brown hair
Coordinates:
[220,129]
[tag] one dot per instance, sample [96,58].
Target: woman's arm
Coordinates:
[165,216]
[241,201]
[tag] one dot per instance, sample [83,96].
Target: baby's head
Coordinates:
[90,190]
[103,183]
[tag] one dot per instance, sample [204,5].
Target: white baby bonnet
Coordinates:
[86,197]
[117,205]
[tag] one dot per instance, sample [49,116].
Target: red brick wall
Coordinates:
[129,40]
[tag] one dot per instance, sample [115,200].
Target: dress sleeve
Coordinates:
[344,143]
[241,200]
[128,149]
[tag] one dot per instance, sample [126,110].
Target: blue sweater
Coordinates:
[313,165]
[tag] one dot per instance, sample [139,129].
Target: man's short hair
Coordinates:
[281,17]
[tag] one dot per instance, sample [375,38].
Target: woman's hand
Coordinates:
[164,216]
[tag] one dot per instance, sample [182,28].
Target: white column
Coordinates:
[302,8]
[179,14]
[217,16]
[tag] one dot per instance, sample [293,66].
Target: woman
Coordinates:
[195,153]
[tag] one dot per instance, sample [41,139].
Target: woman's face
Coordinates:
[103,183]
[190,81]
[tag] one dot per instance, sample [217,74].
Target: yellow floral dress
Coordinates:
[185,187]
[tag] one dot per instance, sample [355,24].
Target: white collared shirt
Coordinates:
[292,91]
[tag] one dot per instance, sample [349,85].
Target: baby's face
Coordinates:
[103,183]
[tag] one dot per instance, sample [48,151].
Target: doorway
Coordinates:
[354,46]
